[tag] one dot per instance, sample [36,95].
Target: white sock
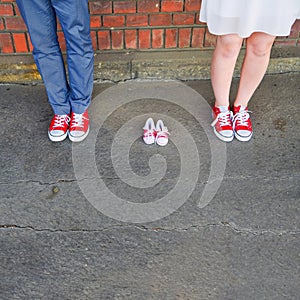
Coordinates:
[223,108]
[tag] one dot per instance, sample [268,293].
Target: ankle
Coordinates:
[222,103]
[242,103]
[221,108]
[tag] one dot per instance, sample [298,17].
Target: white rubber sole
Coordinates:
[57,138]
[223,138]
[77,139]
[148,141]
[242,138]
[160,143]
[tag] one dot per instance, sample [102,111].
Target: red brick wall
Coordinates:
[129,25]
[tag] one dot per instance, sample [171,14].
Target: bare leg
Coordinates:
[255,64]
[222,67]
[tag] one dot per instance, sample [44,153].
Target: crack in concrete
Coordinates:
[47,183]
[231,225]
[240,177]
[239,229]
[29,227]
[265,178]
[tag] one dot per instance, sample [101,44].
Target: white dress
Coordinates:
[244,17]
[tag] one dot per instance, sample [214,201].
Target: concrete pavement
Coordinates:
[54,244]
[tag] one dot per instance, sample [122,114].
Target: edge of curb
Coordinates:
[171,65]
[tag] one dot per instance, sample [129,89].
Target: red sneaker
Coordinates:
[58,129]
[223,123]
[242,123]
[79,127]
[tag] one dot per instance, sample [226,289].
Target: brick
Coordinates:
[171,38]
[144,38]
[198,37]
[295,30]
[100,7]
[1,24]
[281,37]
[130,39]
[160,19]
[95,21]
[104,40]
[6,10]
[184,37]
[15,23]
[29,42]
[137,20]
[285,42]
[6,45]
[94,40]
[20,42]
[62,41]
[210,39]
[197,21]
[117,39]
[113,21]
[124,7]
[16,10]
[171,5]
[148,6]
[184,19]
[157,38]
[192,5]
[58,25]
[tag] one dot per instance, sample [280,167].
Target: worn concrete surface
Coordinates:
[243,245]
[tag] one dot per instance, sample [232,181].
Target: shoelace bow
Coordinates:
[163,132]
[241,118]
[77,120]
[60,120]
[224,118]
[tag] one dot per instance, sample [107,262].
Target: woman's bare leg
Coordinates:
[222,67]
[255,64]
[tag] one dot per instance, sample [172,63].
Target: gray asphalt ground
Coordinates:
[244,244]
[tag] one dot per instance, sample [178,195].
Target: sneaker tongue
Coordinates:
[223,108]
[240,108]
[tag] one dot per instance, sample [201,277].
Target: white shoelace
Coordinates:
[241,117]
[161,129]
[224,118]
[164,131]
[60,120]
[77,120]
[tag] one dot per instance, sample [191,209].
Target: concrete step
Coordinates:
[122,66]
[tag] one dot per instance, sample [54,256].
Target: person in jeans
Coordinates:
[69,96]
[259,22]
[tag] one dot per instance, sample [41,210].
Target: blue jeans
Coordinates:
[64,94]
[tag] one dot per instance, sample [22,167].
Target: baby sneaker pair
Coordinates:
[155,134]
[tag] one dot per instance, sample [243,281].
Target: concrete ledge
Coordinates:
[121,66]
